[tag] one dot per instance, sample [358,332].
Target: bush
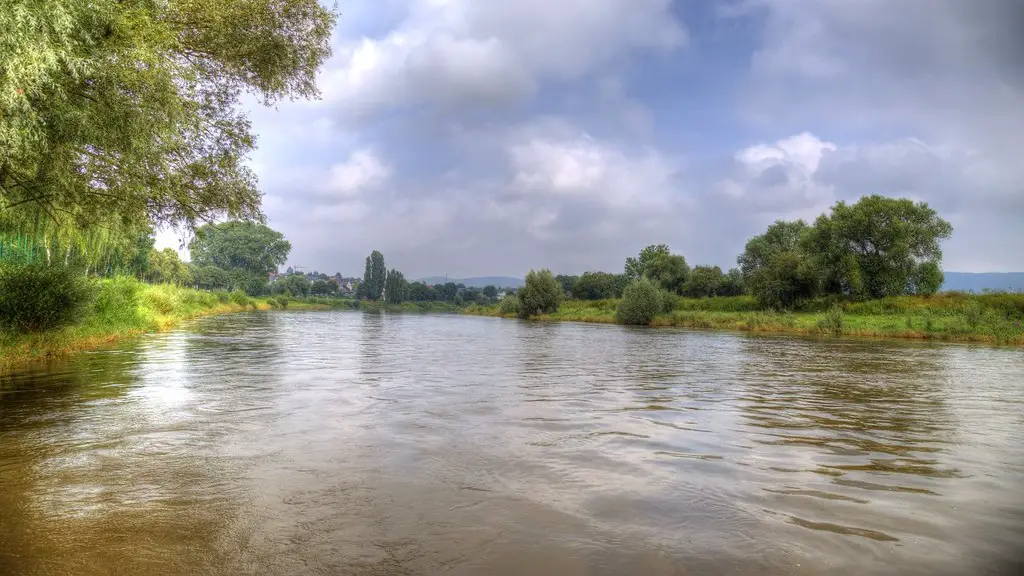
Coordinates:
[282,301]
[223,296]
[541,294]
[239,297]
[832,323]
[509,304]
[37,297]
[641,302]
[669,301]
[117,300]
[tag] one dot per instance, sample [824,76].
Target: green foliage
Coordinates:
[118,300]
[786,280]
[637,267]
[669,301]
[780,238]
[396,288]
[297,285]
[832,323]
[509,305]
[732,283]
[567,282]
[704,282]
[210,277]
[641,302]
[596,286]
[973,314]
[324,288]
[239,297]
[879,247]
[248,247]
[283,301]
[166,267]
[669,271]
[116,112]
[36,297]
[491,292]
[374,276]
[541,294]
[420,292]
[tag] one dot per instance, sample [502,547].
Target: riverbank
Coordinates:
[125,308]
[953,317]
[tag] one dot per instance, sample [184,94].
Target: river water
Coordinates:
[350,443]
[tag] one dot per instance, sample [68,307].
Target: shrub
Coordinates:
[541,294]
[669,301]
[641,302]
[239,297]
[223,296]
[973,314]
[37,297]
[273,302]
[117,300]
[161,299]
[509,304]
[832,323]
[282,301]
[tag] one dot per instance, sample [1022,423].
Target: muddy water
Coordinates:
[344,443]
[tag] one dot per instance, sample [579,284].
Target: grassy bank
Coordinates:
[124,307]
[994,318]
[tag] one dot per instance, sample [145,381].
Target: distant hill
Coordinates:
[479,281]
[972,282]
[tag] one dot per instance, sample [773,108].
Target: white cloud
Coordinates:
[361,172]
[487,52]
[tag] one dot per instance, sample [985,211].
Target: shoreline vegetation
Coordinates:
[125,308]
[948,317]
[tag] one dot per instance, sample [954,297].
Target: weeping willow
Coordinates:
[97,251]
[120,112]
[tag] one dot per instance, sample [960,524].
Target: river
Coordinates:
[350,443]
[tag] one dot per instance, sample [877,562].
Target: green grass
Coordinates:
[125,307]
[994,318]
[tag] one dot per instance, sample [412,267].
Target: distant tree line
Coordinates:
[391,287]
[874,248]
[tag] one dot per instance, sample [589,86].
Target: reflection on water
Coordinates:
[295,443]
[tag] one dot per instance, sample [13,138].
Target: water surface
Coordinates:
[349,443]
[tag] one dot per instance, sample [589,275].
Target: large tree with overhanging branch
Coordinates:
[115,112]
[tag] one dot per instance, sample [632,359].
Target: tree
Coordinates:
[491,292]
[635,267]
[732,283]
[541,294]
[247,246]
[785,280]
[396,287]
[704,282]
[567,283]
[879,247]
[166,267]
[295,284]
[780,237]
[447,291]
[641,302]
[595,286]
[420,292]
[210,277]
[116,112]
[374,276]
[324,288]
[657,263]
[668,271]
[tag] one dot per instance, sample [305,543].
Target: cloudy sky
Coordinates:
[479,137]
